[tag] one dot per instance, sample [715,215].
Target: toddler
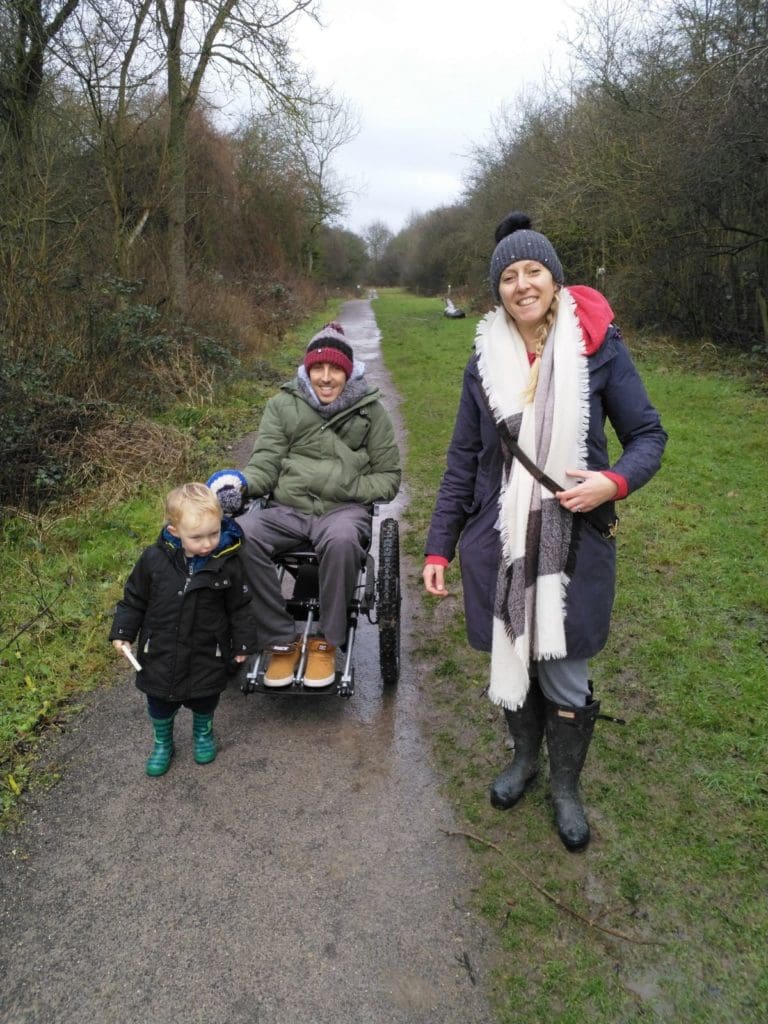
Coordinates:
[188,602]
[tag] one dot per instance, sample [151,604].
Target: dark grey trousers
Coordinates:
[565,681]
[340,537]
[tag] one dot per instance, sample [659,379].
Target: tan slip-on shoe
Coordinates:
[321,662]
[283,659]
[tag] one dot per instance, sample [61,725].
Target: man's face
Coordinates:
[327,380]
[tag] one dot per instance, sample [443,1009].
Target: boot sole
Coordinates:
[505,805]
[574,847]
[159,775]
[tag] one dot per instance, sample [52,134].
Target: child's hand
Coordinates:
[125,649]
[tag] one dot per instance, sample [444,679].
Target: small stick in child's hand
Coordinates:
[131,657]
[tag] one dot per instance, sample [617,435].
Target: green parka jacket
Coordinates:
[313,464]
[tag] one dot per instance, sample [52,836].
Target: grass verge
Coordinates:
[664,917]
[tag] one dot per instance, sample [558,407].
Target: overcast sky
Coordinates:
[426,77]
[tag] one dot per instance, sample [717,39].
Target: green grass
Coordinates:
[60,574]
[678,796]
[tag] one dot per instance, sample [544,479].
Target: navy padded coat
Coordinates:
[466,508]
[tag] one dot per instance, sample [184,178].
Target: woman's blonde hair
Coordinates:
[192,499]
[541,339]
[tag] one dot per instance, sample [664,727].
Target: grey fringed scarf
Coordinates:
[529,609]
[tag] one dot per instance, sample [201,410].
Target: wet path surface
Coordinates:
[302,878]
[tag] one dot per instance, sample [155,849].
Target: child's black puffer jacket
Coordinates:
[190,624]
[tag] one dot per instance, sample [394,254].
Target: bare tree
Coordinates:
[377,237]
[28,27]
[652,173]
[249,38]
[110,53]
[273,196]
[307,130]
[316,125]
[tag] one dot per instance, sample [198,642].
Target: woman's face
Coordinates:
[328,381]
[526,289]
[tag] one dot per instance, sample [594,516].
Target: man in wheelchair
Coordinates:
[325,452]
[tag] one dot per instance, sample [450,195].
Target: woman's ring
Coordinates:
[578,508]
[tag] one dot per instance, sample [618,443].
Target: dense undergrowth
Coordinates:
[91,389]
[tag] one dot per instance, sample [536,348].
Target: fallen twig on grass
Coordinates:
[590,922]
[45,610]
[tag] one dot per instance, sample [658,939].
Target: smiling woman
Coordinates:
[549,369]
[526,290]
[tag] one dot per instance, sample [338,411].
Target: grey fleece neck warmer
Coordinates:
[355,389]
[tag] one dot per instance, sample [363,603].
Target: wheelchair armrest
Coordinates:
[255,503]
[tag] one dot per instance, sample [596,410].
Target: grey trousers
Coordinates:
[340,537]
[565,681]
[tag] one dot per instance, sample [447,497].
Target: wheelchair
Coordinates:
[377,596]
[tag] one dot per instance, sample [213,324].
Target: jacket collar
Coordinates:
[230,541]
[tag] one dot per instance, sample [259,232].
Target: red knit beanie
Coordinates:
[330,346]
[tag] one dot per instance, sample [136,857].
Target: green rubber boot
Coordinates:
[202,734]
[160,759]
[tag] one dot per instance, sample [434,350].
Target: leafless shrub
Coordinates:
[122,454]
[253,314]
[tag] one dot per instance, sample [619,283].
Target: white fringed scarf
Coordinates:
[536,533]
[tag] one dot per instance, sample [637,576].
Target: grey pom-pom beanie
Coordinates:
[517,241]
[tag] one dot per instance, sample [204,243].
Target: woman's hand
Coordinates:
[593,489]
[434,580]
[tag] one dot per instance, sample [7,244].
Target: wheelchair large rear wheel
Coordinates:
[388,601]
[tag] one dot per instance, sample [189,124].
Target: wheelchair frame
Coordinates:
[377,595]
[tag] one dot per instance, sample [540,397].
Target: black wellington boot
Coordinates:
[526,727]
[569,733]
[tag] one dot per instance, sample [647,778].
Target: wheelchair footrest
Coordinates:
[340,687]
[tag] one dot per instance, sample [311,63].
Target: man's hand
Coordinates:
[231,488]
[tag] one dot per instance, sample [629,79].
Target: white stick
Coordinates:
[131,657]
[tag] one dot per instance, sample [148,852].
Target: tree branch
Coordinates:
[590,922]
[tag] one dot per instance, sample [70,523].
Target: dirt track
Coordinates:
[302,878]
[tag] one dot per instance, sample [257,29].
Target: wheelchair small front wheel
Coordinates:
[388,601]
